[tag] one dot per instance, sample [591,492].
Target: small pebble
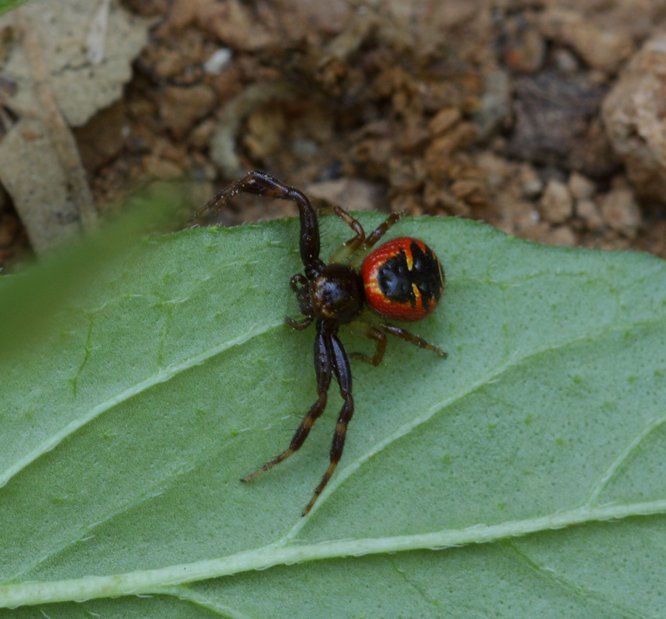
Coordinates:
[444,120]
[556,202]
[562,235]
[565,61]
[531,183]
[217,61]
[588,211]
[581,187]
[620,211]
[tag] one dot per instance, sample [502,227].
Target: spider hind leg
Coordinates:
[323,371]
[342,371]
[412,338]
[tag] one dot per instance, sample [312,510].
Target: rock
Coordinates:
[525,47]
[235,26]
[530,182]
[554,123]
[588,211]
[620,211]
[102,138]
[157,167]
[444,120]
[265,132]
[565,61]
[562,235]
[494,111]
[181,108]
[634,114]
[350,193]
[581,187]
[556,202]
[603,49]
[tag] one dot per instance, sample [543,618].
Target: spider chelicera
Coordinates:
[401,279]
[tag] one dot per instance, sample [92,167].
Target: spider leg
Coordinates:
[381,230]
[351,221]
[379,336]
[262,184]
[298,283]
[299,325]
[342,371]
[408,336]
[323,370]
[348,248]
[360,241]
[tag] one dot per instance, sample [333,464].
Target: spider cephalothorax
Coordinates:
[401,279]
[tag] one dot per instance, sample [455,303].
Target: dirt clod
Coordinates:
[620,211]
[635,116]
[556,203]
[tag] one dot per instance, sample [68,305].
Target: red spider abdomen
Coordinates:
[402,279]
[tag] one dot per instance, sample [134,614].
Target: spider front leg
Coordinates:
[262,184]
[360,241]
[381,230]
[323,369]
[348,248]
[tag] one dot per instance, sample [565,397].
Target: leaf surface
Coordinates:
[525,471]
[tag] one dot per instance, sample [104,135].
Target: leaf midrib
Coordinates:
[151,581]
[350,469]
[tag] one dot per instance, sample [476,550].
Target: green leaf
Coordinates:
[6,5]
[524,475]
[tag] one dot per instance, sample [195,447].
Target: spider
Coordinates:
[401,279]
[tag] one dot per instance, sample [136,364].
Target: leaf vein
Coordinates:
[163,376]
[565,584]
[623,457]
[436,409]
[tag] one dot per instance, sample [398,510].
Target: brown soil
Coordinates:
[490,109]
